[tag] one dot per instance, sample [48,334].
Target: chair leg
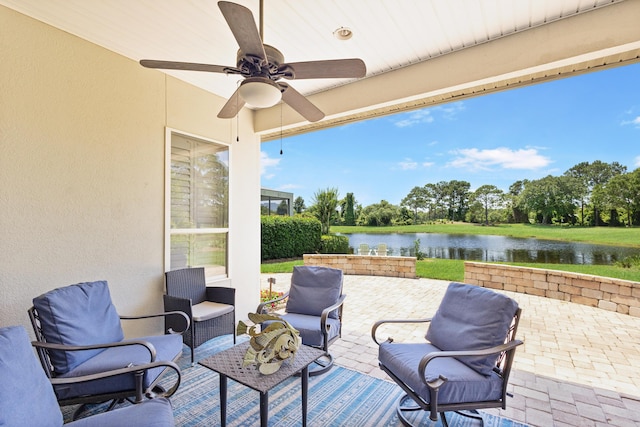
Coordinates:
[472,413]
[406,404]
[321,365]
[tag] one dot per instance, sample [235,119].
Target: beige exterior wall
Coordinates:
[82,142]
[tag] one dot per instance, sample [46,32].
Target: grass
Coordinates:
[453,270]
[616,236]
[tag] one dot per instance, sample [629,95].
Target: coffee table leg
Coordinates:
[305,387]
[223,400]
[264,409]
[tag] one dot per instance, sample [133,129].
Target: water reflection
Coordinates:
[494,248]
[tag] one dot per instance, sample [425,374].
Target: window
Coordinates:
[197,191]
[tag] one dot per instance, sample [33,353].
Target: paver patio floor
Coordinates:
[579,365]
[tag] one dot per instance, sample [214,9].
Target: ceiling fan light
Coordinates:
[260,92]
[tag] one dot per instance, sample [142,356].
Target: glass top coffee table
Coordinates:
[228,364]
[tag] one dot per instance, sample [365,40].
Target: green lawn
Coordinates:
[453,270]
[617,236]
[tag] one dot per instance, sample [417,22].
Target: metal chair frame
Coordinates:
[503,366]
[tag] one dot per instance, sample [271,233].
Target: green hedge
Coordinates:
[289,236]
[334,245]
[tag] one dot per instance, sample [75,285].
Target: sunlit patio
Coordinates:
[577,367]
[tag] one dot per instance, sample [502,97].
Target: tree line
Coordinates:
[596,193]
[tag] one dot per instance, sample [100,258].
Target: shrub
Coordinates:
[334,245]
[289,237]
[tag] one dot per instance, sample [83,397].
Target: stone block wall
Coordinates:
[366,265]
[617,295]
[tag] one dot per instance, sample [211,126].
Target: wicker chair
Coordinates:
[211,309]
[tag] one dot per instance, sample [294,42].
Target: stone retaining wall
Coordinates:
[366,265]
[617,295]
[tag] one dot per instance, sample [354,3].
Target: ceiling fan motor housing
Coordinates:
[254,66]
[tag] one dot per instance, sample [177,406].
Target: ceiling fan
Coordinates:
[262,66]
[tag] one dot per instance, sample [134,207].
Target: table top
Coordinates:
[229,363]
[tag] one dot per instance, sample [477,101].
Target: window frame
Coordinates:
[169,232]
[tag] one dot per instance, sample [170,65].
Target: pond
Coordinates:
[494,248]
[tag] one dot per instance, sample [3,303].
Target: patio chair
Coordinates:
[314,308]
[466,362]
[79,334]
[27,396]
[364,249]
[382,249]
[211,309]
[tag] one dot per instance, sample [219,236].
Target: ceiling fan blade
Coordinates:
[244,29]
[232,107]
[301,104]
[190,66]
[329,69]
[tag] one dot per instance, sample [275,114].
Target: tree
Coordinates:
[622,192]
[283,208]
[379,214]
[457,194]
[550,198]
[349,214]
[324,207]
[490,197]
[416,199]
[298,205]
[589,176]
[518,207]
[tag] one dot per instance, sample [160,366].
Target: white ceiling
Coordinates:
[388,34]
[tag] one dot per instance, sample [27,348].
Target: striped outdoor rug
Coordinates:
[341,397]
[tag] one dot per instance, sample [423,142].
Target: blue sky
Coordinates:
[494,139]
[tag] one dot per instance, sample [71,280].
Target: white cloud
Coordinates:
[426,115]
[636,161]
[506,158]
[634,122]
[408,164]
[266,163]
[410,119]
[428,164]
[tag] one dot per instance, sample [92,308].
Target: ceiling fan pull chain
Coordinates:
[281,128]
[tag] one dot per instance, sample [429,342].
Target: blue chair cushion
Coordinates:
[80,314]
[26,395]
[313,289]
[168,347]
[464,384]
[309,328]
[150,413]
[472,318]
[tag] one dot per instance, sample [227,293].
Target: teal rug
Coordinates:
[341,397]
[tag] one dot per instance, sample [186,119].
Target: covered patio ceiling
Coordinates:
[417,53]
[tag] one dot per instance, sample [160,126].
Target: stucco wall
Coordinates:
[617,295]
[366,265]
[82,137]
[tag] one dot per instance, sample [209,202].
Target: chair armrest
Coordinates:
[178,313]
[511,345]
[129,369]
[221,294]
[326,311]
[262,305]
[379,323]
[52,346]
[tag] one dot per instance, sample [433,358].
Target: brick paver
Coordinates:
[579,365]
